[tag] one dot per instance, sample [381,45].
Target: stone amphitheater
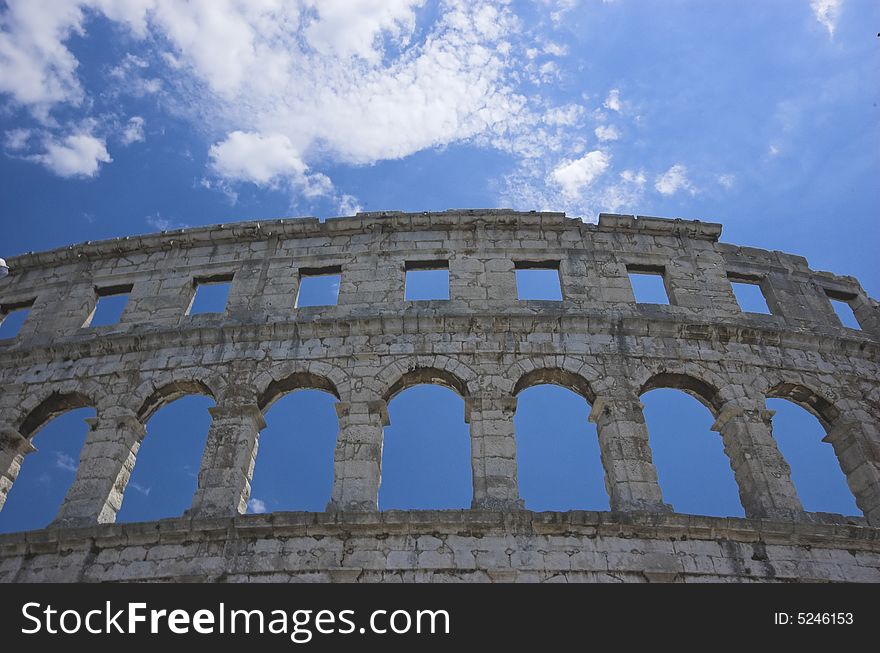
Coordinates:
[483,343]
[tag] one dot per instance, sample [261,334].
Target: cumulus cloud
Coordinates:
[827,12]
[339,78]
[673,180]
[573,176]
[280,89]
[133,132]
[612,102]
[607,133]
[36,68]
[249,156]
[256,506]
[265,160]
[75,155]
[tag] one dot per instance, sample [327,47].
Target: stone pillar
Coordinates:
[357,460]
[630,475]
[228,462]
[493,452]
[13,448]
[762,474]
[857,446]
[105,466]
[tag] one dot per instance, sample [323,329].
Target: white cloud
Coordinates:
[36,68]
[347,28]
[282,88]
[673,180]
[133,132]
[612,102]
[65,462]
[827,12]
[555,50]
[76,155]
[635,177]
[256,506]
[564,116]
[248,156]
[573,176]
[607,133]
[142,489]
[160,223]
[348,205]
[773,150]
[727,180]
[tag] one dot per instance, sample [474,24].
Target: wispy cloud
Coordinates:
[133,132]
[674,180]
[827,13]
[256,506]
[164,224]
[607,133]
[65,462]
[137,487]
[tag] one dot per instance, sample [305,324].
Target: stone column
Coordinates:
[13,448]
[630,475]
[493,452]
[105,466]
[357,460]
[857,446]
[763,475]
[228,462]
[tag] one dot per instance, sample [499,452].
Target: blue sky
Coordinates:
[129,116]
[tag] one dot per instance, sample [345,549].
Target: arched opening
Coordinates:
[294,466]
[165,474]
[815,470]
[693,470]
[426,454]
[47,473]
[559,463]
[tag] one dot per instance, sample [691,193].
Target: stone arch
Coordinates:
[441,370]
[805,397]
[577,375]
[703,391]
[41,404]
[271,385]
[52,406]
[164,388]
[556,376]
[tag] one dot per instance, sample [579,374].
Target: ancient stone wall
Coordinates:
[484,343]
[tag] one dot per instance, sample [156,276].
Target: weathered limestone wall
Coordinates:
[483,343]
[447,546]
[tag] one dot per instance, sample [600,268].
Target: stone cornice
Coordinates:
[242,232]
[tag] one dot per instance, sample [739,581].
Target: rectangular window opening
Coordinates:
[842,305]
[538,280]
[211,294]
[426,280]
[318,286]
[648,284]
[749,295]
[12,318]
[110,305]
